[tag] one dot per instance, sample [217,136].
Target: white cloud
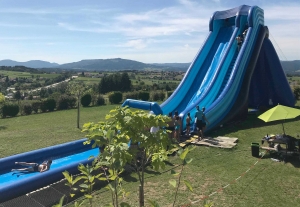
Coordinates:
[136,44]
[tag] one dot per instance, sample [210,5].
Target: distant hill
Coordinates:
[20,69]
[117,64]
[291,67]
[183,66]
[29,64]
[108,65]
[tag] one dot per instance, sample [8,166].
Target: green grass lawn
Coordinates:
[267,183]
[25,133]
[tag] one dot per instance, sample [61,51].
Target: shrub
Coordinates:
[115,97]
[86,100]
[72,102]
[66,102]
[169,93]
[100,101]
[131,95]
[162,95]
[158,96]
[297,92]
[9,110]
[143,95]
[50,104]
[36,106]
[155,96]
[63,102]
[43,106]
[27,108]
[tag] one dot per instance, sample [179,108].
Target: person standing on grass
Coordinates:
[188,121]
[177,125]
[171,125]
[201,122]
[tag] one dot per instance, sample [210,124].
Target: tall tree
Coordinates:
[77,89]
[125,83]
[18,96]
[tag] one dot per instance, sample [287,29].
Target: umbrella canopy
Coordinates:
[279,112]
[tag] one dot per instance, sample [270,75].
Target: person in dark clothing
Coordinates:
[34,167]
[201,122]
[239,41]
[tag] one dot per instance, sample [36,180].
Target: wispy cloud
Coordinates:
[136,44]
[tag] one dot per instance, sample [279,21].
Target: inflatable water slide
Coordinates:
[225,79]
[222,77]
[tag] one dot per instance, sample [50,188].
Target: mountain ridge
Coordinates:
[116,64]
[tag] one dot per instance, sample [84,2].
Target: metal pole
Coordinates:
[283,129]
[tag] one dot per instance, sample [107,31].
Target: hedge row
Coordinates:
[62,103]
[67,102]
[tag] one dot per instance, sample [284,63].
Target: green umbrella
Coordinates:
[279,112]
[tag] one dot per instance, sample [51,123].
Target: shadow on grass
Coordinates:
[292,159]
[151,172]
[129,178]
[169,163]
[251,122]
[3,127]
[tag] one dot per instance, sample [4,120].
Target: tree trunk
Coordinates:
[141,187]
[78,111]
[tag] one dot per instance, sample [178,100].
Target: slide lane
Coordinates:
[201,69]
[66,157]
[220,108]
[220,76]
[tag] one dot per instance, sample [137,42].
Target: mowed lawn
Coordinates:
[26,133]
[248,181]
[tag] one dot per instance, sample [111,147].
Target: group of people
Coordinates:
[175,124]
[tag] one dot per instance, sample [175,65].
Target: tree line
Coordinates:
[115,82]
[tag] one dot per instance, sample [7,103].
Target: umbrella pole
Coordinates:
[283,128]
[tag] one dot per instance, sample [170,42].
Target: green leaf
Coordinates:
[78,204]
[123,204]
[60,204]
[111,188]
[188,160]
[68,176]
[184,153]
[84,186]
[113,177]
[188,185]
[76,179]
[88,196]
[173,183]
[153,203]
[72,195]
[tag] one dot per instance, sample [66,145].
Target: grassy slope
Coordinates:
[25,133]
[268,183]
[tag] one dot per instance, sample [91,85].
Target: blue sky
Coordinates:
[150,31]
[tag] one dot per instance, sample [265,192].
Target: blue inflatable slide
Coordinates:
[224,79]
